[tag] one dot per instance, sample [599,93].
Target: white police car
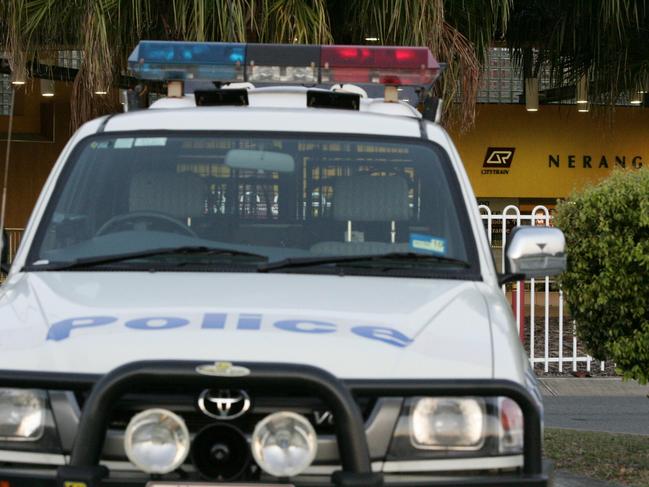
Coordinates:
[278,284]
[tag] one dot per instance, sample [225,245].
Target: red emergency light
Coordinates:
[377,64]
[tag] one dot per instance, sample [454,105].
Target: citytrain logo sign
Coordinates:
[498,160]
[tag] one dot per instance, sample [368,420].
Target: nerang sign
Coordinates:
[512,153]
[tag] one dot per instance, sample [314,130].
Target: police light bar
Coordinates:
[283,63]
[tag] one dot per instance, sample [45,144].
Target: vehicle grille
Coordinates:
[186,406]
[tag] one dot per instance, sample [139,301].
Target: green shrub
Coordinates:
[607,281]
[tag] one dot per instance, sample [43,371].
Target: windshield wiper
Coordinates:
[389,260]
[115,258]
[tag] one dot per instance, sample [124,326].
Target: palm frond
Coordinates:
[295,21]
[458,32]
[461,81]
[17,41]
[605,41]
[234,19]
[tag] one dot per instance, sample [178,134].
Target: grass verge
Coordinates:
[603,456]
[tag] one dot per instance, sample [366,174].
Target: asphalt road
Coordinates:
[598,413]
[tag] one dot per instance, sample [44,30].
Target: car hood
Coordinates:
[354,327]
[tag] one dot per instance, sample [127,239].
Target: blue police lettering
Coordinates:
[217,321]
[61,330]
[249,322]
[214,320]
[383,334]
[156,323]
[306,326]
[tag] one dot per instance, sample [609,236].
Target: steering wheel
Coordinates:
[148,219]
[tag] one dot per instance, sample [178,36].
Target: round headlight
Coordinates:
[284,444]
[22,414]
[448,422]
[156,441]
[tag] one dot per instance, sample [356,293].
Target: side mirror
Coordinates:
[4,258]
[534,252]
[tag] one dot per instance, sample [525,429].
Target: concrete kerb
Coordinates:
[567,479]
[597,386]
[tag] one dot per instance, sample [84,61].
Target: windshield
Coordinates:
[256,199]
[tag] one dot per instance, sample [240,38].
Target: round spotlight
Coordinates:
[156,441]
[284,444]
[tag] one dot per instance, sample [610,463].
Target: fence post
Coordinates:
[541,216]
[518,295]
[518,305]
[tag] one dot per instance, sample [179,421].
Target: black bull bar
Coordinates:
[337,394]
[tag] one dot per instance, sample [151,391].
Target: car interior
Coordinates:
[318,196]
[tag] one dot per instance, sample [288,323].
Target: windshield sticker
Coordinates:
[123,143]
[150,141]
[65,329]
[99,145]
[428,243]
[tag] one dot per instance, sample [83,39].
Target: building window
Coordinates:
[5,94]
[500,82]
[70,58]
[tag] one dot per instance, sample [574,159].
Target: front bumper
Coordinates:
[36,478]
[83,469]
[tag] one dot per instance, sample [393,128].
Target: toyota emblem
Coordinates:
[224,404]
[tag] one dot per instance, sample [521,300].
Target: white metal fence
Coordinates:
[547,331]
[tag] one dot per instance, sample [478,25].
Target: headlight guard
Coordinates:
[352,440]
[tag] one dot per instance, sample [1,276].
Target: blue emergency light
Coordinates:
[169,60]
[283,63]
